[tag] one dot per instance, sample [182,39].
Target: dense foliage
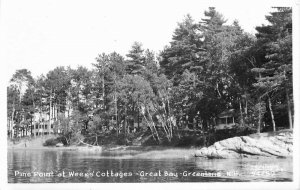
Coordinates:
[208,67]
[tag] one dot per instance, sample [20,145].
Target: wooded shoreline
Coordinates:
[265,145]
[213,81]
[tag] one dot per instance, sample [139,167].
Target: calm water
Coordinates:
[52,166]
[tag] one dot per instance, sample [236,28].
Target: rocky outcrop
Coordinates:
[274,144]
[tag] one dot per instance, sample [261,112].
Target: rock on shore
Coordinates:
[273,144]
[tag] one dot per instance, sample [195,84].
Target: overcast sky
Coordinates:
[42,34]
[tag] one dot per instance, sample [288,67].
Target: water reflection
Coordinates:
[144,167]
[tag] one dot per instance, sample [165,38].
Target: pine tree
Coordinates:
[275,75]
[136,61]
[184,51]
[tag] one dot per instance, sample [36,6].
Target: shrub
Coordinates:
[51,142]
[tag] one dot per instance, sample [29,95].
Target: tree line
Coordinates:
[208,67]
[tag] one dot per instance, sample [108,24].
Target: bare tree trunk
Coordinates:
[164,123]
[177,128]
[33,104]
[148,123]
[153,125]
[125,120]
[116,113]
[194,123]
[241,112]
[138,116]
[246,107]
[155,130]
[31,126]
[289,109]
[272,115]
[55,130]
[259,118]
[50,110]
[12,120]
[166,129]
[57,110]
[69,105]
[116,104]
[103,91]
[96,140]
[66,140]
[167,120]
[169,114]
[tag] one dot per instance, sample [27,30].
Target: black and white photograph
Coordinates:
[145,92]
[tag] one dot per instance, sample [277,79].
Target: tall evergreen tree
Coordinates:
[136,61]
[275,75]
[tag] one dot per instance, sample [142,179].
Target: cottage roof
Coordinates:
[227,113]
